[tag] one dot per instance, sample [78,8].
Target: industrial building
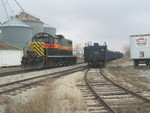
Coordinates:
[10,55]
[18,31]
[15,32]
[48,29]
[35,23]
[31,21]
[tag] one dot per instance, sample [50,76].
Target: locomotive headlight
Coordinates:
[102,49]
[96,52]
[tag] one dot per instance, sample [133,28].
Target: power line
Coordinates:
[10,8]
[19,5]
[5,9]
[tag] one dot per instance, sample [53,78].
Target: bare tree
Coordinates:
[126,50]
[78,50]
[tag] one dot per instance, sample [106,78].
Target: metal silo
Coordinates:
[32,21]
[16,33]
[50,30]
[0,34]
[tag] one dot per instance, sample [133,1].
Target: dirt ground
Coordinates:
[68,98]
[7,69]
[58,96]
[123,70]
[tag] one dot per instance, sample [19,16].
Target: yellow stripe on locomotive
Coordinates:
[37,47]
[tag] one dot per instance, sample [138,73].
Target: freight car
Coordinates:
[46,50]
[97,55]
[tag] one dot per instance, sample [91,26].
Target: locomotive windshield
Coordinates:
[103,49]
[70,42]
[43,39]
[55,40]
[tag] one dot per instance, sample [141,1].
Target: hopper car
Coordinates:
[97,55]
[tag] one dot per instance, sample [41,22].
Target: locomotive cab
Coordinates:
[35,55]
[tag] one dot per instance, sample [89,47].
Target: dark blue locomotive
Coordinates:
[97,55]
[46,50]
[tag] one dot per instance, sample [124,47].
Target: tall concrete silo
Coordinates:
[0,34]
[32,21]
[50,30]
[15,32]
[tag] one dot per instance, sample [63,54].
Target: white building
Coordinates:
[10,55]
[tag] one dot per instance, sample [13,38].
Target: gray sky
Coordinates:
[110,21]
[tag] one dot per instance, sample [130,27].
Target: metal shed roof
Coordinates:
[4,46]
[23,16]
[15,23]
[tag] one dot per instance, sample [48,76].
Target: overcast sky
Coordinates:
[110,21]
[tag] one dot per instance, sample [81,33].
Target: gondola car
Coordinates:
[97,55]
[46,50]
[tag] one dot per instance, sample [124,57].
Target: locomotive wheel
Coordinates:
[135,64]
[104,65]
[148,64]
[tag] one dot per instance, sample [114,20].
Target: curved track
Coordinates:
[105,96]
[17,85]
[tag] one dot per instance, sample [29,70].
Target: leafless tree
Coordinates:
[78,50]
[126,50]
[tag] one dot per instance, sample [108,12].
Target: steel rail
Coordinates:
[10,83]
[111,110]
[4,74]
[128,91]
[55,75]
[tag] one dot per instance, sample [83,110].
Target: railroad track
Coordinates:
[17,85]
[104,96]
[4,74]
